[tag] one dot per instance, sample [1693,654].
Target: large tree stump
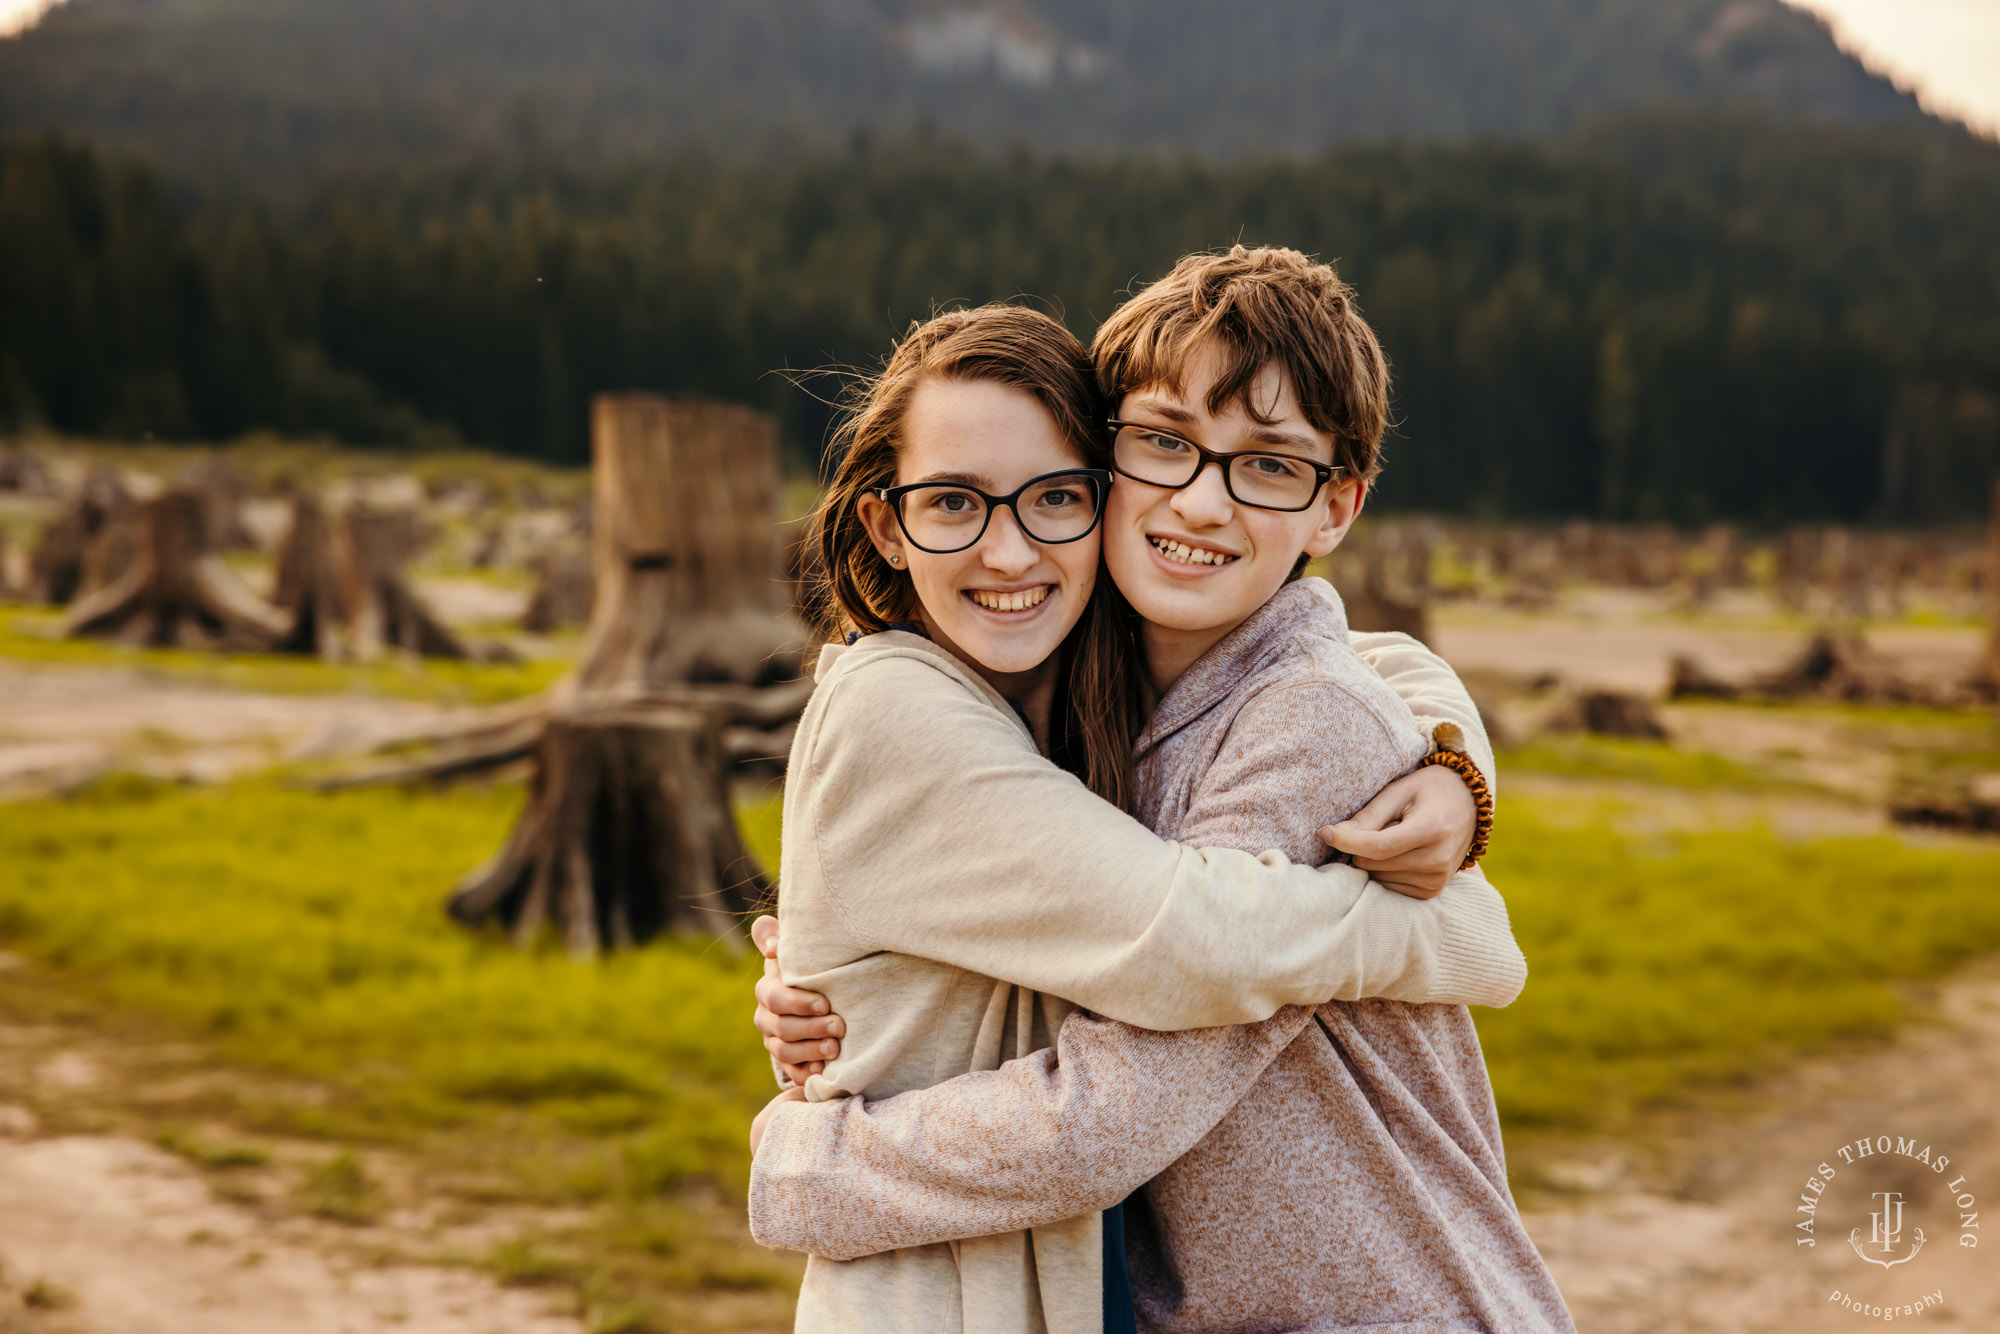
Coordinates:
[690,665]
[685,539]
[628,833]
[178,591]
[384,611]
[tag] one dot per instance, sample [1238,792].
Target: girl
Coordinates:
[952,892]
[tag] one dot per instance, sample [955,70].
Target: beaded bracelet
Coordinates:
[1482,800]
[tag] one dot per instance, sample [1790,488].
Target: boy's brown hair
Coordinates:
[1266,306]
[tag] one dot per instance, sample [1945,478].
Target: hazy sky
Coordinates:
[1948,51]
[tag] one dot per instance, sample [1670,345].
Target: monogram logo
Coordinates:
[1886,1233]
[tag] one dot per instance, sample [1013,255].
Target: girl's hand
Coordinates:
[1414,836]
[799,1029]
[764,1117]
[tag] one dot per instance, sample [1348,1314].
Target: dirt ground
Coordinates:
[1696,1233]
[103,1232]
[131,1240]
[1691,1231]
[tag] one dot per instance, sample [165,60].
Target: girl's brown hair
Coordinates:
[1094,717]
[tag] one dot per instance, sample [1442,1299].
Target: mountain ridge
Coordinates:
[293,90]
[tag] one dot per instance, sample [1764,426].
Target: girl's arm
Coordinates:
[1426,683]
[939,833]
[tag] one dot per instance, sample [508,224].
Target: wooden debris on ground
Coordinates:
[1615,713]
[1835,665]
[1969,805]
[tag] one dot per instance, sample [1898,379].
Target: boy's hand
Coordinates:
[1414,835]
[799,1029]
[764,1117]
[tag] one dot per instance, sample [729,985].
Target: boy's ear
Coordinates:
[1343,507]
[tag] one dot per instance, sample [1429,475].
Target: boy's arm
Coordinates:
[1426,683]
[1060,1133]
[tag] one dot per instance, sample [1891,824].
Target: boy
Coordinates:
[1330,1168]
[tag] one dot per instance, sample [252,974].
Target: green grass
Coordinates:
[1654,762]
[302,934]
[1665,967]
[305,934]
[27,637]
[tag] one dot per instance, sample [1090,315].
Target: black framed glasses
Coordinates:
[943,517]
[1261,480]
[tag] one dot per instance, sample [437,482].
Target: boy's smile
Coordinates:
[1196,562]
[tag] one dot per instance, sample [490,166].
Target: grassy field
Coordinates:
[300,936]
[29,637]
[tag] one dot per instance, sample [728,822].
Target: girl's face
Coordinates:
[1005,603]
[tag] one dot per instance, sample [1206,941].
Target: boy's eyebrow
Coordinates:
[1263,435]
[1269,435]
[1171,411]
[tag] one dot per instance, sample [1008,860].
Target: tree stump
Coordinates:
[308,584]
[1986,677]
[86,546]
[178,591]
[565,590]
[628,833]
[384,611]
[690,664]
[685,540]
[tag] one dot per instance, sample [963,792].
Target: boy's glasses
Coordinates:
[1263,481]
[943,517]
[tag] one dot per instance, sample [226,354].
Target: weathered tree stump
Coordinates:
[1986,676]
[178,591]
[685,542]
[384,611]
[308,584]
[565,590]
[628,833]
[87,545]
[690,664]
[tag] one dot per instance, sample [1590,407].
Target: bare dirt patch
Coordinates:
[1695,1232]
[140,1245]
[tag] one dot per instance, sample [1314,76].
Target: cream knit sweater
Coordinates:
[954,894]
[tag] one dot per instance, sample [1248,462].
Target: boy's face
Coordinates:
[1196,561]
